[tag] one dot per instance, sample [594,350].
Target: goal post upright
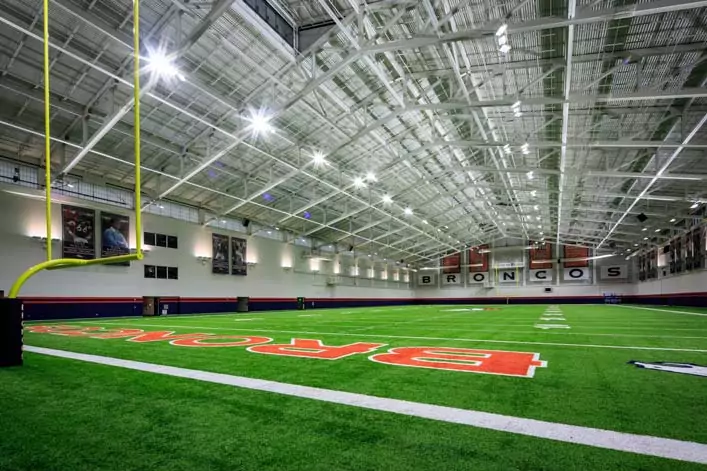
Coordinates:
[11,308]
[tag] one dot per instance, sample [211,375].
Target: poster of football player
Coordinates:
[239,265]
[78,225]
[114,236]
[219,254]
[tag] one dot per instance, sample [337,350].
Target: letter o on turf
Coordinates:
[202,342]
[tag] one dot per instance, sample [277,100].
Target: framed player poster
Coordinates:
[78,227]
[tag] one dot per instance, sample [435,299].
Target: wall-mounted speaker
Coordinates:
[246,222]
[351,247]
[642,217]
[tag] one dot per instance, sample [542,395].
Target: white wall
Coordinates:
[694,282]
[23,217]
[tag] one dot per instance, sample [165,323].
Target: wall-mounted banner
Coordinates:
[114,236]
[613,272]
[540,275]
[78,226]
[508,276]
[576,274]
[572,251]
[540,251]
[478,277]
[478,262]
[426,279]
[239,247]
[452,263]
[219,254]
[451,278]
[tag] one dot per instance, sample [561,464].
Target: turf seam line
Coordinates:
[620,347]
[640,444]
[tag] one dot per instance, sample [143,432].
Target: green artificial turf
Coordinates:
[64,414]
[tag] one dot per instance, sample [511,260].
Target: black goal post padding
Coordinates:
[10,332]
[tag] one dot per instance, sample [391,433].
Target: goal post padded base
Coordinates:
[10,332]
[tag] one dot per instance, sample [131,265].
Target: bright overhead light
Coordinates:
[505,48]
[530,175]
[525,148]
[673,220]
[502,29]
[540,226]
[359,182]
[541,233]
[260,122]
[387,199]
[507,148]
[318,158]
[694,205]
[657,230]
[644,229]
[635,245]
[645,238]
[371,177]
[408,211]
[536,207]
[424,221]
[502,39]
[533,193]
[537,217]
[162,65]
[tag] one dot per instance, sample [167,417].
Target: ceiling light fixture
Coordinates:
[387,199]
[505,48]
[502,29]
[359,182]
[408,211]
[530,175]
[318,158]
[695,205]
[371,177]
[162,65]
[260,123]
[644,229]
[424,221]
[657,230]
[525,148]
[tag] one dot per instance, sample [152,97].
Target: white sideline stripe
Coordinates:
[641,444]
[518,342]
[252,319]
[662,310]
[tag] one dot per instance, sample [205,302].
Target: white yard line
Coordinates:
[345,334]
[662,310]
[250,319]
[627,442]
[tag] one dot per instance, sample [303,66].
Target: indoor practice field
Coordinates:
[63,414]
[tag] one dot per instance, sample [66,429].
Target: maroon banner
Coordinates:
[478,262]
[540,252]
[572,251]
[451,263]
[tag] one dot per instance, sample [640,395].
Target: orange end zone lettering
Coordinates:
[165,335]
[493,362]
[309,348]
[200,342]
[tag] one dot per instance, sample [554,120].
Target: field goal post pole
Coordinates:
[12,309]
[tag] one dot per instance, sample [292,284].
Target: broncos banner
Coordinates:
[238,256]
[478,262]
[78,230]
[219,254]
[572,251]
[540,252]
[451,263]
[114,236]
